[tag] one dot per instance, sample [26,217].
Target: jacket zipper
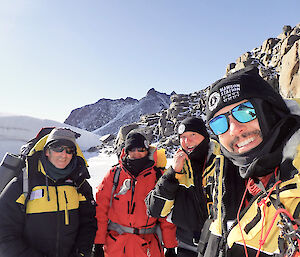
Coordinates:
[134,180]
[66,210]
[57,225]
[132,194]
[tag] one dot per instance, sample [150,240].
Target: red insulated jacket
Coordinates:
[128,209]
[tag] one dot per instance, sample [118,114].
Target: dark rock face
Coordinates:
[158,115]
[107,116]
[278,62]
[94,116]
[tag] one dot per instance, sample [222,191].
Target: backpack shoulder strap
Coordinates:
[158,172]
[117,172]
[26,183]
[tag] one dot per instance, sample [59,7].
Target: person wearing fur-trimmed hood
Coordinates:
[57,218]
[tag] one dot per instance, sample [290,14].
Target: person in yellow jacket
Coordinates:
[57,217]
[256,196]
[180,194]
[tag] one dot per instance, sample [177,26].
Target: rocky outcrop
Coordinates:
[290,73]
[160,128]
[277,59]
[278,62]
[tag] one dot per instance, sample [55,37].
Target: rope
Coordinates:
[262,202]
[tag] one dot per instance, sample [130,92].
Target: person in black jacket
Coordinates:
[179,192]
[256,200]
[57,219]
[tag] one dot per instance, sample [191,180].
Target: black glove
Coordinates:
[170,252]
[98,251]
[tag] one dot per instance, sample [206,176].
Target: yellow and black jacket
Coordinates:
[182,198]
[57,218]
[257,215]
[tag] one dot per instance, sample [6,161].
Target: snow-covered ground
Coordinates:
[99,165]
[15,130]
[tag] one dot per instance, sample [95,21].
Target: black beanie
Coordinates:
[193,124]
[243,84]
[135,140]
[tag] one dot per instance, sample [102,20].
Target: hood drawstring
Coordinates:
[47,186]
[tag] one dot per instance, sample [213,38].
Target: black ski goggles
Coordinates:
[61,148]
[243,113]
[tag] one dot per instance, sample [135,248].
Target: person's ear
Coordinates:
[47,152]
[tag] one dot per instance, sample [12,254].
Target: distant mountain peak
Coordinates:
[106,116]
[152,91]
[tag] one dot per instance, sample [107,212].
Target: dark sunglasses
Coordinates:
[243,113]
[61,148]
[139,149]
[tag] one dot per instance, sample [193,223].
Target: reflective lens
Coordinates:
[60,148]
[243,113]
[139,149]
[219,125]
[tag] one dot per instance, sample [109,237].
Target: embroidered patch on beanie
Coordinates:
[192,124]
[238,86]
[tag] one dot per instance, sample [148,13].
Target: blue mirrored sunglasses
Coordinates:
[243,113]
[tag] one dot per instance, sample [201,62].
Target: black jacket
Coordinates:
[60,215]
[183,199]
[258,211]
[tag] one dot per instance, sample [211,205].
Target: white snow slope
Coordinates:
[15,130]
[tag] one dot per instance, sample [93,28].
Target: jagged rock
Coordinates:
[277,60]
[292,39]
[178,97]
[149,117]
[287,44]
[229,67]
[290,74]
[124,130]
[286,29]
[244,57]
[92,149]
[106,116]
[169,129]
[168,142]
[93,116]
[107,138]
[147,131]
[175,98]
[174,109]
[239,66]
[274,58]
[162,122]
[268,45]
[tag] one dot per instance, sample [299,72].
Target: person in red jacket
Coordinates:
[124,226]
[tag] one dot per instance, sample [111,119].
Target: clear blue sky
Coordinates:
[58,55]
